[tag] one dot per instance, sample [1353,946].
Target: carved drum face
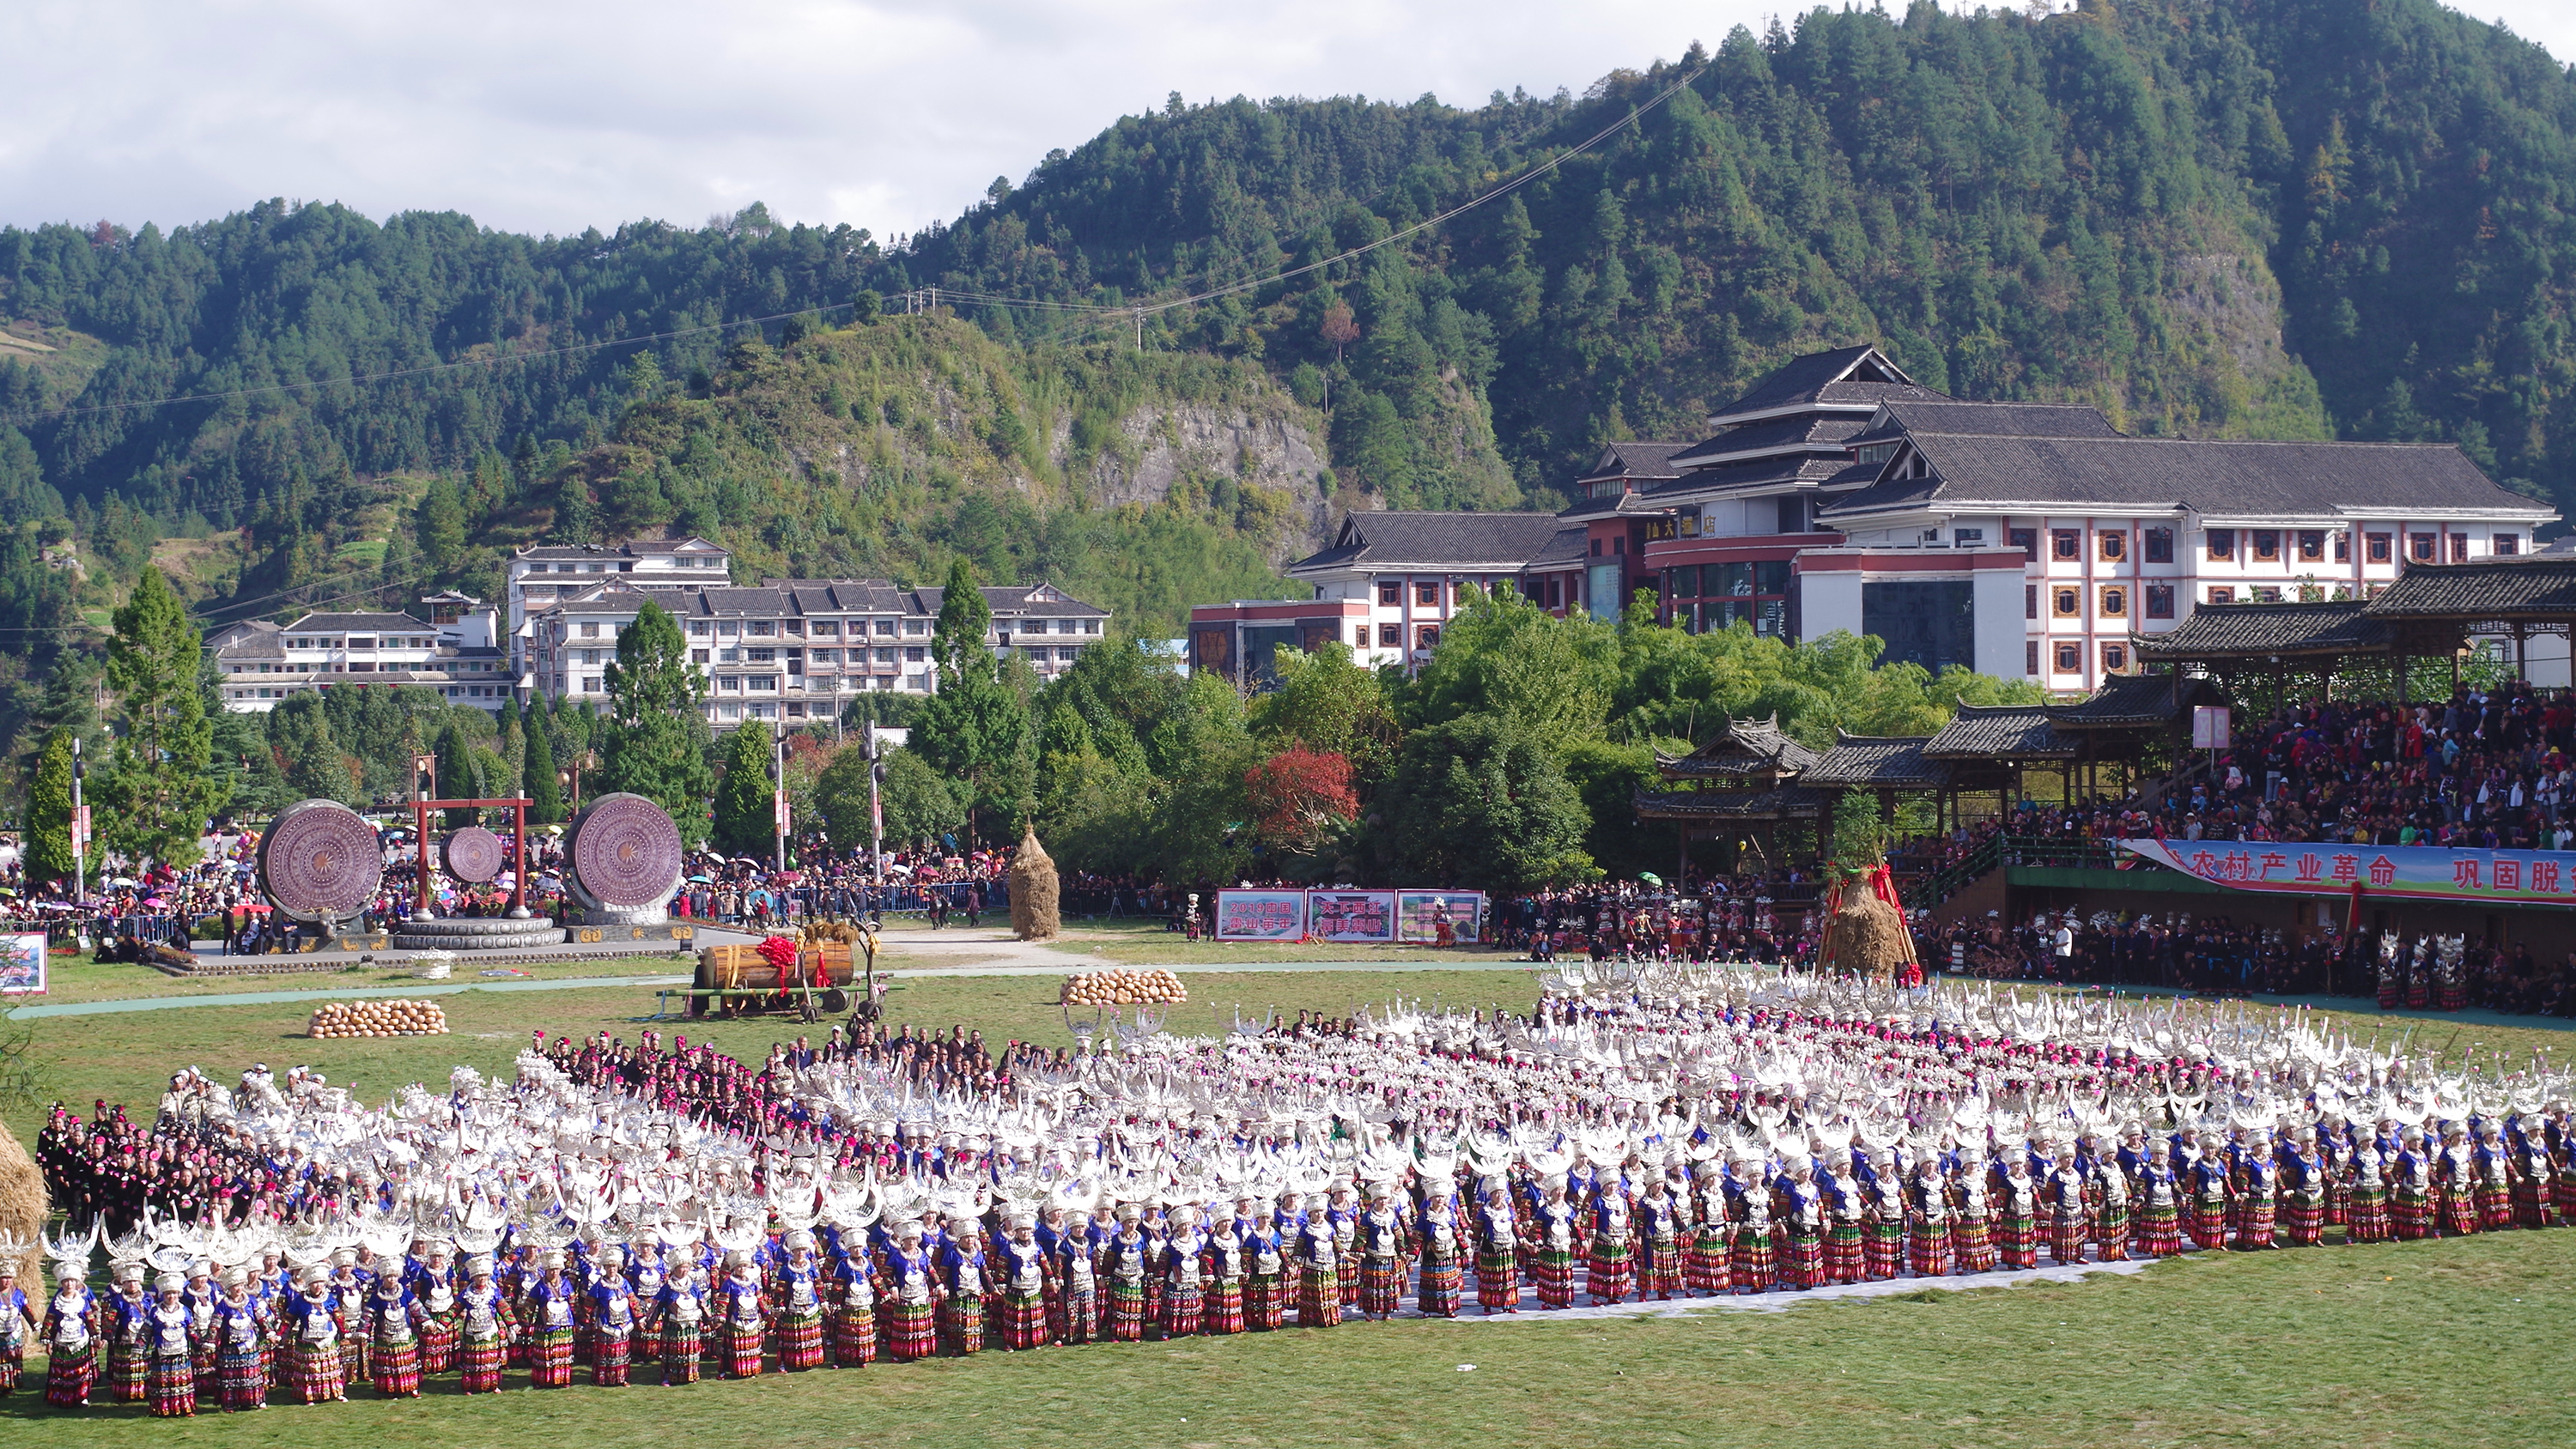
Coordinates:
[625,852]
[320,858]
[473,854]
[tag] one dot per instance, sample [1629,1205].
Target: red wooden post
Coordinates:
[420,844]
[519,873]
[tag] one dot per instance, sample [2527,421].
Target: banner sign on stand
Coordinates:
[1249,915]
[1418,915]
[2469,877]
[1350,915]
[22,964]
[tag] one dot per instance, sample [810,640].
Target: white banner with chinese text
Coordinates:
[2494,877]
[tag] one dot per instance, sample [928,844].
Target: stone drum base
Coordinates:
[586,928]
[476,933]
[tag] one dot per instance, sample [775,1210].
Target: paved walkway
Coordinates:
[589,983]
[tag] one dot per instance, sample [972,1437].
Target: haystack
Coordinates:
[1033,892]
[22,1194]
[1866,935]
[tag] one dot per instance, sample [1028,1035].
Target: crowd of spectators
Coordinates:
[2216,955]
[1767,916]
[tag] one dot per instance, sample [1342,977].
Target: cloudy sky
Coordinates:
[553,115]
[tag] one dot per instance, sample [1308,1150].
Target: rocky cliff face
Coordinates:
[1270,447]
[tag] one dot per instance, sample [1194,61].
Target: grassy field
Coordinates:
[1139,941]
[77,979]
[128,1056]
[2442,1344]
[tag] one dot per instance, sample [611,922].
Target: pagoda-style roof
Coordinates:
[2136,702]
[1744,751]
[2000,733]
[2531,587]
[2266,632]
[1863,762]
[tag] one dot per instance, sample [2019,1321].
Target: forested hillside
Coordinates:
[2107,205]
[2249,217]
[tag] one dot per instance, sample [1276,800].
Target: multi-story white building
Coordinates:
[798,649]
[455,651]
[1386,587]
[543,574]
[2024,540]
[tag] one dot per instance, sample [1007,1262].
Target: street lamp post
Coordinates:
[570,776]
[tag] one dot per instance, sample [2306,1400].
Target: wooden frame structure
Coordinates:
[518,809]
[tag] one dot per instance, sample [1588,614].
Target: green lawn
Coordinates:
[77,979]
[128,1056]
[2439,1344]
[1141,942]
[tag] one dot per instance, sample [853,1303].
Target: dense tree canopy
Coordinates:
[2215,217]
[653,741]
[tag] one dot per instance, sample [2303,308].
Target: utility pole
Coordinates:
[80,827]
[876,803]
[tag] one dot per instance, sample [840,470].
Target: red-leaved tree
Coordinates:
[1299,795]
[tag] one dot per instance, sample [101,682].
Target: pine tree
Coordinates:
[965,618]
[457,777]
[300,737]
[537,768]
[512,744]
[156,794]
[653,741]
[975,729]
[440,526]
[49,811]
[744,822]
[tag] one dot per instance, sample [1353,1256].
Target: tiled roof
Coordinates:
[2131,700]
[1846,376]
[618,600]
[1634,460]
[1770,435]
[269,645]
[1569,546]
[1861,762]
[338,623]
[1630,503]
[1999,731]
[633,548]
[1991,419]
[1437,540]
[1811,470]
[2488,589]
[2222,630]
[2226,479]
[1743,747]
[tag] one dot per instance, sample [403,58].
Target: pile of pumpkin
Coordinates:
[1121,987]
[338,1019]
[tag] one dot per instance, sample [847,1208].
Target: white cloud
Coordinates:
[561,114]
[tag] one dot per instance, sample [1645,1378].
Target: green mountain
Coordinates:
[2256,217]
[2216,217]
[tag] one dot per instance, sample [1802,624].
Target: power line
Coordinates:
[251,605]
[1138,311]
[427,368]
[232,604]
[1141,310]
